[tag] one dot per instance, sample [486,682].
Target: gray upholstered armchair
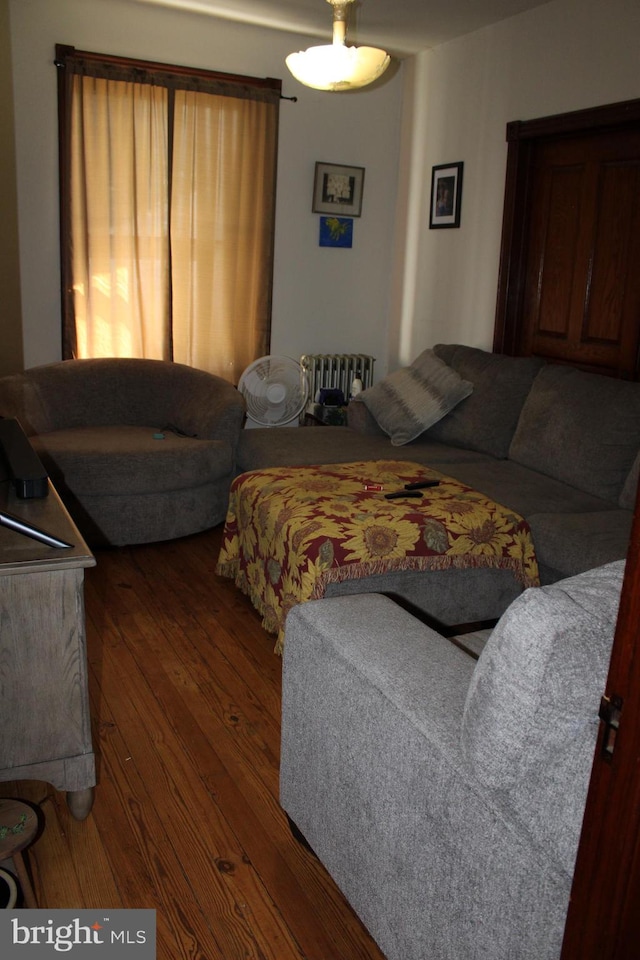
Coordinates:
[139,450]
[444,795]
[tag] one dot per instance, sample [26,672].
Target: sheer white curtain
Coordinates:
[167,209]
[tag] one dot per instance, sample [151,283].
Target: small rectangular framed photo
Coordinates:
[337,189]
[446,195]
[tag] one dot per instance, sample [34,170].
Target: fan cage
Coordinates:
[275,390]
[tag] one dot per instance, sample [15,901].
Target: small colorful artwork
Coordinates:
[336,232]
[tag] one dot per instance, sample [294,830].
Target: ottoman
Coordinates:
[293,533]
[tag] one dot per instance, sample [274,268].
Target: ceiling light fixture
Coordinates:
[336,66]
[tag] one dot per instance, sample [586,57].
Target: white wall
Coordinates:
[10,321]
[324,300]
[402,287]
[565,55]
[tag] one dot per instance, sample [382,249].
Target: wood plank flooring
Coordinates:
[185,697]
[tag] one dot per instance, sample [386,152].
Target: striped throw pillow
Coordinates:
[410,400]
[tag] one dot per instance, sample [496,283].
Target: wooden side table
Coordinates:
[18,828]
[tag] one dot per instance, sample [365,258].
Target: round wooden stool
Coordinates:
[18,829]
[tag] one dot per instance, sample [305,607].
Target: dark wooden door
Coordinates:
[569,286]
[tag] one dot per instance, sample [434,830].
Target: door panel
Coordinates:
[555,234]
[582,282]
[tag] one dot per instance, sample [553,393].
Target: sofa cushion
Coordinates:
[581,428]
[525,491]
[531,718]
[263,447]
[570,543]
[546,659]
[408,401]
[486,420]
[117,461]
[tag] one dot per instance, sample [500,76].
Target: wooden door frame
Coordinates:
[603,921]
[523,136]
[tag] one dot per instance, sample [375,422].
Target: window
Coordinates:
[167,187]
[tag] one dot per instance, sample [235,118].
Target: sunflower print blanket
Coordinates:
[290,531]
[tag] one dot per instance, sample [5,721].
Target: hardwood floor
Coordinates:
[185,696]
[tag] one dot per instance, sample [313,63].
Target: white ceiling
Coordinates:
[400,26]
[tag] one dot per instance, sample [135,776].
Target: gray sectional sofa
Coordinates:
[556,444]
[445,795]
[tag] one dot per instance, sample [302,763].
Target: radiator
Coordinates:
[336,371]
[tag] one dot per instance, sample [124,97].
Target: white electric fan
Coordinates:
[275,390]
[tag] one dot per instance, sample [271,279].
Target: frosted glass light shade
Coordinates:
[337,67]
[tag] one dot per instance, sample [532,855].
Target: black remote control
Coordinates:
[402,493]
[421,484]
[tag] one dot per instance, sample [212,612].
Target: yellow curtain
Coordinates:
[221,230]
[167,211]
[119,215]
